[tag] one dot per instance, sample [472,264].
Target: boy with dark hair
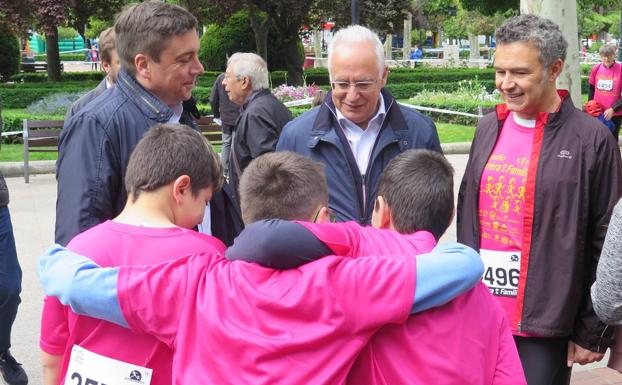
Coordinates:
[167,197]
[270,327]
[415,198]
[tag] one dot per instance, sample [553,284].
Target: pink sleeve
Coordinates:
[54,327]
[152,298]
[375,291]
[509,370]
[592,80]
[342,238]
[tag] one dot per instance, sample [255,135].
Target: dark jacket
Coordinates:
[317,134]
[256,131]
[222,107]
[574,180]
[86,99]
[94,149]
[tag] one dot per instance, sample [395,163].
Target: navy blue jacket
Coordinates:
[94,149]
[317,134]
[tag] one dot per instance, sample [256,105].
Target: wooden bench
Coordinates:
[39,136]
[211,130]
[38,67]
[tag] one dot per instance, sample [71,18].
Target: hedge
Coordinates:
[42,77]
[19,97]
[13,121]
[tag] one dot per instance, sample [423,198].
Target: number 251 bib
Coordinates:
[501,271]
[88,368]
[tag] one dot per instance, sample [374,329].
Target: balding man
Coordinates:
[262,115]
[359,128]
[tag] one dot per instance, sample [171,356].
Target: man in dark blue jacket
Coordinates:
[158,46]
[359,128]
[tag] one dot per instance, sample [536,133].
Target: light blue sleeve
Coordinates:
[448,271]
[81,284]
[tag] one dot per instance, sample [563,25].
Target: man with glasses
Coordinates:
[359,128]
[262,115]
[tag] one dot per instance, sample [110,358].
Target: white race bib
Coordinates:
[88,368]
[501,271]
[604,84]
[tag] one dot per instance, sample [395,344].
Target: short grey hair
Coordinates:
[353,35]
[541,32]
[607,49]
[250,65]
[147,28]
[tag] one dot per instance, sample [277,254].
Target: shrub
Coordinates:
[21,97]
[287,93]
[13,121]
[9,59]
[54,104]
[67,76]
[218,42]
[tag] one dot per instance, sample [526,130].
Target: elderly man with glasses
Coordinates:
[359,128]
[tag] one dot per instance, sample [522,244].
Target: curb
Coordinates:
[14,169]
[10,169]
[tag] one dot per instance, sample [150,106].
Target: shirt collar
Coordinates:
[177,109]
[378,116]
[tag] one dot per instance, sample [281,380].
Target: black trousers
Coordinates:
[10,279]
[616,123]
[544,360]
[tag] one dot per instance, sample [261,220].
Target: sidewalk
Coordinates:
[33,214]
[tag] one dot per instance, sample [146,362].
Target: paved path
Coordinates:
[33,211]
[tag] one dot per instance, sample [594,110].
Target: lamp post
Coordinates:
[356,12]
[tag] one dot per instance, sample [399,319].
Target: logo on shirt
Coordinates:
[564,154]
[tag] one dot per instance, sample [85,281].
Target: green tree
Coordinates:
[9,46]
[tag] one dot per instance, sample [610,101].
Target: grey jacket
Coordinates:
[86,99]
[607,289]
[4,192]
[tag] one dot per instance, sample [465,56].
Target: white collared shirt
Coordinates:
[362,141]
[177,111]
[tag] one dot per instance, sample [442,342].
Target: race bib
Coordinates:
[88,368]
[604,84]
[501,271]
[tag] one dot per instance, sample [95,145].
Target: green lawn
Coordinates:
[453,133]
[15,153]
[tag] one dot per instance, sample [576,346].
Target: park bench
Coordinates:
[211,130]
[38,67]
[39,136]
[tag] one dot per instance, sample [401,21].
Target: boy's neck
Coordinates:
[149,210]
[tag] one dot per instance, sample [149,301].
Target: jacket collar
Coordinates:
[326,119]
[150,106]
[551,119]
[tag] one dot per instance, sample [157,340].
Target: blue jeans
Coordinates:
[10,279]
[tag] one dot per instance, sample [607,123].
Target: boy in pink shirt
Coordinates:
[239,323]
[466,341]
[167,196]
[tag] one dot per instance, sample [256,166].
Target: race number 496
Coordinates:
[502,272]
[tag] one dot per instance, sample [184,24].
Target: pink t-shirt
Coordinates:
[113,244]
[607,84]
[240,323]
[466,341]
[501,206]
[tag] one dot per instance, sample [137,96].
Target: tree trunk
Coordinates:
[388,47]
[261,28]
[474,50]
[293,62]
[317,43]
[564,13]
[408,29]
[52,54]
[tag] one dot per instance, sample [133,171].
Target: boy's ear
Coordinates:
[323,215]
[382,212]
[181,187]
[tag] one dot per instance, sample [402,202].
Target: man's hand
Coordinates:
[608,114]
[581,355]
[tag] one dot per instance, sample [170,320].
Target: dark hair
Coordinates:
[106,44]
[541,32]
[147,28]
[168,151]
[418,186]
[282,185]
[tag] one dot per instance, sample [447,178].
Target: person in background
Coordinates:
[536,196]
[595,109]
[227,114]
[262,115]
[109,64]
[10,287]
[606,86]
